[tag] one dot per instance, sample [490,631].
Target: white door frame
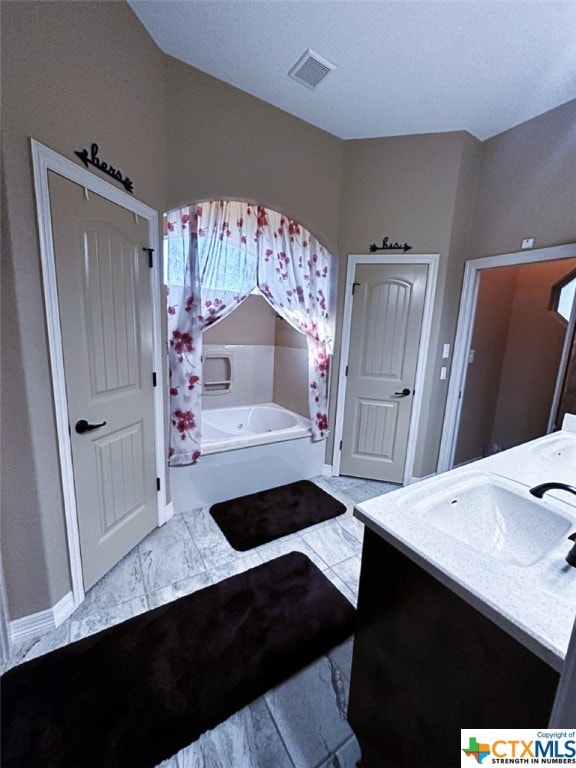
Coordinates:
[463,338]
[44,160]
[431,260]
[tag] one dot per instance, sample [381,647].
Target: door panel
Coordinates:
[106,322]
[387,315]
[386,322]
[376,425]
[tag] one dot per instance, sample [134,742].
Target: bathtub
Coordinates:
[229,429]
[246,449]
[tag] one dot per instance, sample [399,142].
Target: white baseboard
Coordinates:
[37,624]
[327,470]
[414,479]
[169,511]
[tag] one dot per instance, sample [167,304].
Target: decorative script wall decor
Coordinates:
[389,246]
[93,159]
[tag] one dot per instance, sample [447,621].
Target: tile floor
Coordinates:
[301,723]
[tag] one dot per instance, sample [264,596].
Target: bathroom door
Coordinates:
[105,310]
[387,311]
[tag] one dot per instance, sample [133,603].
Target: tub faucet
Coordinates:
[539,491]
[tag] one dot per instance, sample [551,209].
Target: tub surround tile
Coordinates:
[310,712]
[167,565]
[291,379]
[252,375]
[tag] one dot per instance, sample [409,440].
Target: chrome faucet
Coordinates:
[539,491]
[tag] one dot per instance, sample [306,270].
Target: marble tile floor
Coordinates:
[301,723]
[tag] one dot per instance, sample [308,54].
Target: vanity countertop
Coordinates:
[535,602]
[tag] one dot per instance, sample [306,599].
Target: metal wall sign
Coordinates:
[390,246]
[93,159]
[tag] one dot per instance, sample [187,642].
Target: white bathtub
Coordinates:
[228,429]
[244,450]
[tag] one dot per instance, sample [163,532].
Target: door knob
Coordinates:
[83,426]
[405,392]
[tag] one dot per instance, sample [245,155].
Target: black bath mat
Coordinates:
[135,694]
[261,517]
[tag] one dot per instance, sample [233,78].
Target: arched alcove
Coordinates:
[217,254]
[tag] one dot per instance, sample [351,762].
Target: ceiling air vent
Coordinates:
[311,69]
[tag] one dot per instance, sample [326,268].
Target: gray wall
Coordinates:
[517,345]
[74,73]
[227,144]
[252,322]
[418,189]
[533,351]
[527,185]
[493,311]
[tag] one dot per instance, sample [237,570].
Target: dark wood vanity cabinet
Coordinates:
[426,664]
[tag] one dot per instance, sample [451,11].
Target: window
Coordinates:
[562,297]
[234,268]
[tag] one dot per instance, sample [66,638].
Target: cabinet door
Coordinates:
[427,664]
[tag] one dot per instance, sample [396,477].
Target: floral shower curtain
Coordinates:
[217,253]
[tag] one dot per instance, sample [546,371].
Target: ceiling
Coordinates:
[402,66]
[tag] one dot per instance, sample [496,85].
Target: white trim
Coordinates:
[36,624]
[169,511]
[5,635]
[562,368]
[431,260]
[415,479]
[464,335]
[44,160]
[327,470]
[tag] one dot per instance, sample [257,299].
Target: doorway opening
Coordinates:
[511,354]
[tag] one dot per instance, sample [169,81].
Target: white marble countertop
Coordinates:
[536,604]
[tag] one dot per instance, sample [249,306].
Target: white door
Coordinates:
[386,325]
[104,297]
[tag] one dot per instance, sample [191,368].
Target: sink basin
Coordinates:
[560,447]
[491,514]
